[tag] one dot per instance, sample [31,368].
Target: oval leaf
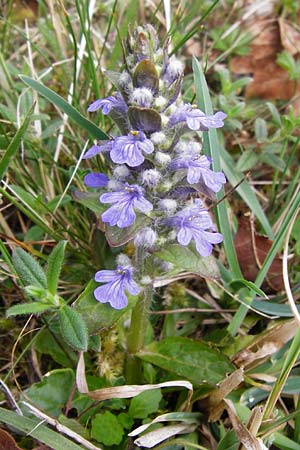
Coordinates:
[145,75]
[73,328]
[119,236]
[144,119]
[90,200]
[54,266]
[98,316]
[28,269]
[194,360]
[27,308]
[188,259]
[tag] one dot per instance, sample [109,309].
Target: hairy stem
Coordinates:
[137,334]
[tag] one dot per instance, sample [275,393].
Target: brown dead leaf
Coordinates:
[245,436]
[7,442]
[216,398]
[252,249]
[266,344]
[269,80]
[290,36]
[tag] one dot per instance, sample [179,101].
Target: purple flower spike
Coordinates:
[192,223]
[114,101]
[95,149]
[129,149]
[198,167]
[196,119]
[121,213]
[116,282]
[96,180]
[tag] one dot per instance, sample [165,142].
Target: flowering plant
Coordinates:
[156,170]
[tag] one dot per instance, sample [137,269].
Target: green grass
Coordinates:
[45,88]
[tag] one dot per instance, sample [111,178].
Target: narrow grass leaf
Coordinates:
[211,146]
[62,104]
[55,262]
[14,144]
[73,328]
[28,269]
[37,430]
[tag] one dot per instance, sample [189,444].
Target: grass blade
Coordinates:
[62,104]
[14,144]
[211,146]
[36,430]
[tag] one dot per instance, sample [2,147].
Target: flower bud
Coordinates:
[114,185]
[123,260]
[145,238]
[124,79]
[162,158]
[168,205]
[121,172]
[158,138]
[150,177]
[141,97]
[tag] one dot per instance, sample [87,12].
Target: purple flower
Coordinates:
[95,149]
[116,282]
[129,149]
[124,149]
[114,101]
[198,167]
[192,223]
[96,180]
[197,119]
[121,213]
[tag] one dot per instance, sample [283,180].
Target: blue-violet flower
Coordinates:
[129,149]
[96,180]
[196,119]
[199,167]
[114,101]
[116,282]
[124,201]
[192,223]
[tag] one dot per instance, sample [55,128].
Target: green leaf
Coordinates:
[46,344]
[247,160]
[98,316]
[186,258]
[107,429]
[90,200]
[28,269]
[119,236]
[145,404]
[52,393]
[55,261]
[229,442]
[62,104]
[284,443]
[261,130]
[73,328]
[238,284]
[14,144]
[27,308]
[36,430]
[194,360]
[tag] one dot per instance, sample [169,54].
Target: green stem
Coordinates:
[137,334]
